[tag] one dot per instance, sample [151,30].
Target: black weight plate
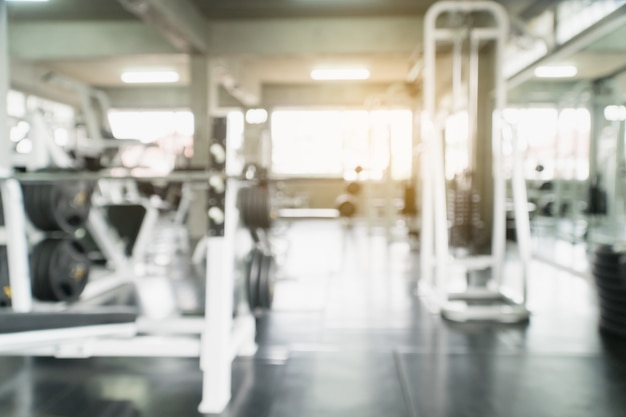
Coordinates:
[263,282]
[611,296]
[266,282]
[69,270]
[243,204]
[58,207]
[612,327]
[39,261]
[266,209]
[252,278]
[616,286]
[604,269]
[60,270]
[71,206]
[5,285]
[615,282]
[606,254]
[1,211]
[612,300]
[612,313]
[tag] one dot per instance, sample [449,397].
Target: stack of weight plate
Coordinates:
[609,271]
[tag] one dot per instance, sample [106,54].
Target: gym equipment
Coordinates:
[59,269]
[488,302]
[260,279]
[255,207]
[5,287]
[58,206]
[609,271]
[467,230]
[346,205]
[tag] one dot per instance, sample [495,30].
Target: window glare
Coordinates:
[558,141]
[151,126]
[333,143]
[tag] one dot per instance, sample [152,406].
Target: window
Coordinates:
[555,143]
[335,142]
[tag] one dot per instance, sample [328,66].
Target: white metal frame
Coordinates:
[436,260]
[220,338]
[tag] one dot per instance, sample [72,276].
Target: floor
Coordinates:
[349,337]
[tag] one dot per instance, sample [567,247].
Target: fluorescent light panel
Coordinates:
[340,74]
[150,77]
[556,71]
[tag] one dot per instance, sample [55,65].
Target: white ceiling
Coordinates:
[605,56]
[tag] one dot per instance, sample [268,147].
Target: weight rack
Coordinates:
[221,337]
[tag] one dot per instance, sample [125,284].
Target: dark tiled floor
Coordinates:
[348,337]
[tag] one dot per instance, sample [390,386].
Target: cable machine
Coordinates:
[491,301]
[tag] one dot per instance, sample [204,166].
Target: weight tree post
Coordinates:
[14,217]
[216,351]
[5,142]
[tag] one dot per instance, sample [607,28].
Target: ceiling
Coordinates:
[68,10]
[220,9]
[605,56]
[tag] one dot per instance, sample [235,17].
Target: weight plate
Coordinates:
[252,278]
[606,254]
[71,268]
[612,327]
[5,286]
[254,207]
[58,207]
[39,261]
[60,270]
[613,309]
[266,281]
[611,272]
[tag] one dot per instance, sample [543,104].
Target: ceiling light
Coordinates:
[150,77]
[557,71]
[256,116]
[336,74]
[615,113]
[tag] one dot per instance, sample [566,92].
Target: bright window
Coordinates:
[556,143]
[335,142]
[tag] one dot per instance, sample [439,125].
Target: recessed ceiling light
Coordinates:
[556,71]
[340,74]
[150,77]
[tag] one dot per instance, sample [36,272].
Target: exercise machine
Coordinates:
[491,301]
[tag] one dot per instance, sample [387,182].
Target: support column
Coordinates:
[203,99]
[13,207]
[5,142]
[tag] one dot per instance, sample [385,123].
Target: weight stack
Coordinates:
[467,230]
[609,272]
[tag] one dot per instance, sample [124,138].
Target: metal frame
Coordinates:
[220,338]
[436,260]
